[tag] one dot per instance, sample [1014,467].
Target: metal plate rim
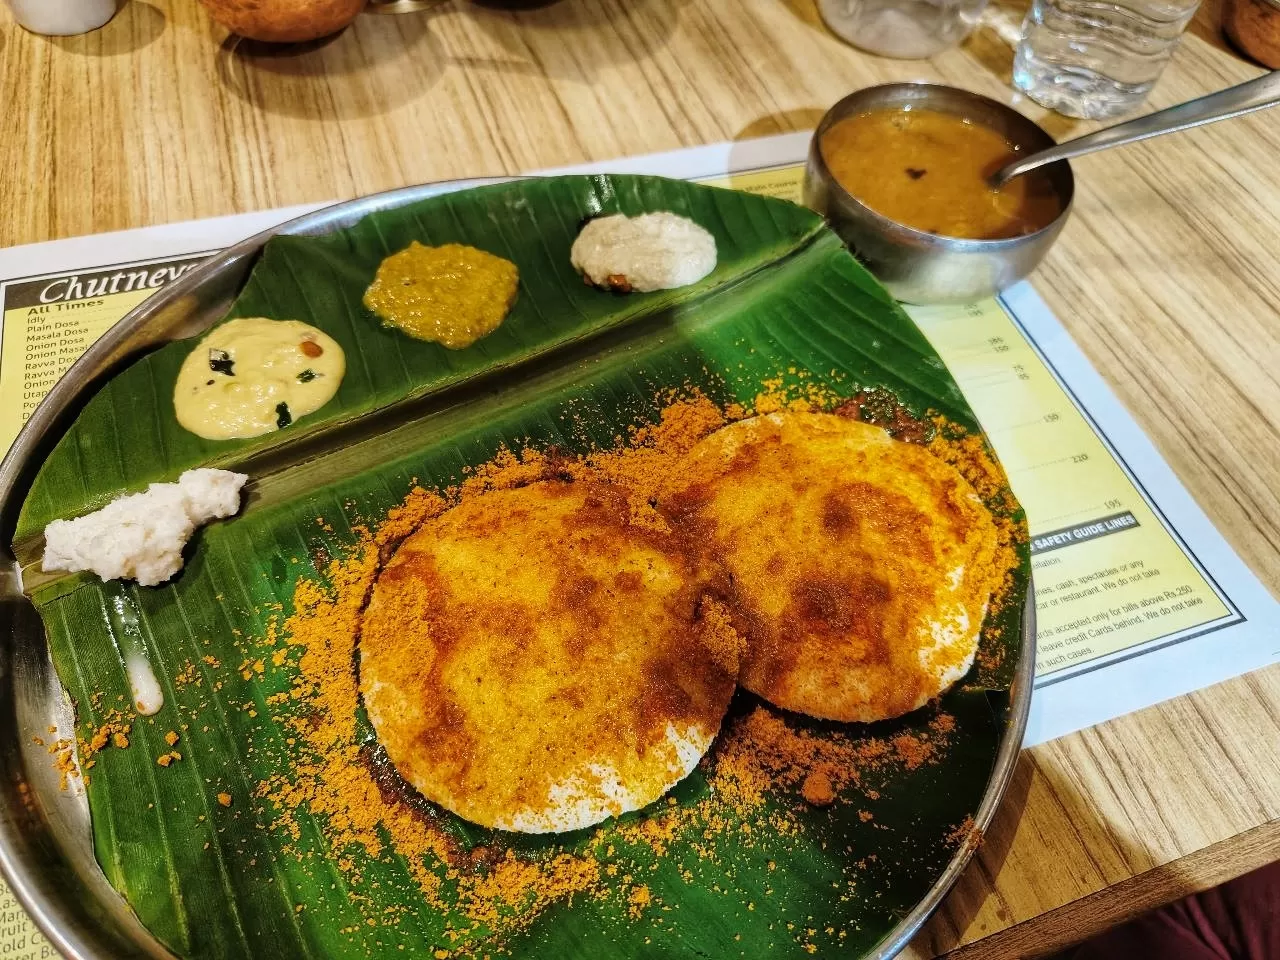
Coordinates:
[134,332]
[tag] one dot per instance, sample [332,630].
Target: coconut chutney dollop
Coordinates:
[654,251]
[253,375]
[141,536]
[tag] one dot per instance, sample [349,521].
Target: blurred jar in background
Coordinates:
[907,29]
[62,17]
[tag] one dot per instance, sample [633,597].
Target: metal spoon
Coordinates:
[1232,102]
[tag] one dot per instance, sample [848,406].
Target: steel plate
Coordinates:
[46,845]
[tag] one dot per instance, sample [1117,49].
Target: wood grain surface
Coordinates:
[1168,276]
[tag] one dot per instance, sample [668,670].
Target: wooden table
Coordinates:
[1168,276]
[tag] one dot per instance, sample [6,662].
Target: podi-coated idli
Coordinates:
[534,660]
[861,566]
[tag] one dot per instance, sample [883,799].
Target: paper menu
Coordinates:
[1129,572]
[50,321]
[19,938]
[1110,575]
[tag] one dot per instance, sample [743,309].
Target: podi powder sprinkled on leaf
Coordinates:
[762,775]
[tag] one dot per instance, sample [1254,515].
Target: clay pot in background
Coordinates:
[284,21]
[1254,27]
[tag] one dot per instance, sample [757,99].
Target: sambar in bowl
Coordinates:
[900,171]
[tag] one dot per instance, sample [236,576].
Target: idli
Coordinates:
[861,566]
[537,660]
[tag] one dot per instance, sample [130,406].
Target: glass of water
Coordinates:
[1097,58]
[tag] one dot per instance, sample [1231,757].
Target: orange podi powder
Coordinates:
[766,775]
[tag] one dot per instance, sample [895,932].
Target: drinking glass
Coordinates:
[1097,58]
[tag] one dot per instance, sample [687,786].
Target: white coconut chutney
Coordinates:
[654,251]
[141,536]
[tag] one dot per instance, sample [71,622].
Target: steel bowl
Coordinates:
[46,841]
[920,267]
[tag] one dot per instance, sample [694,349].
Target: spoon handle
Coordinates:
[1243,98]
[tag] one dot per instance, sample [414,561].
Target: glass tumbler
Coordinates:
[1097,58]
[907,29]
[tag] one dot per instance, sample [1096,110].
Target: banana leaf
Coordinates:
[572,367]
